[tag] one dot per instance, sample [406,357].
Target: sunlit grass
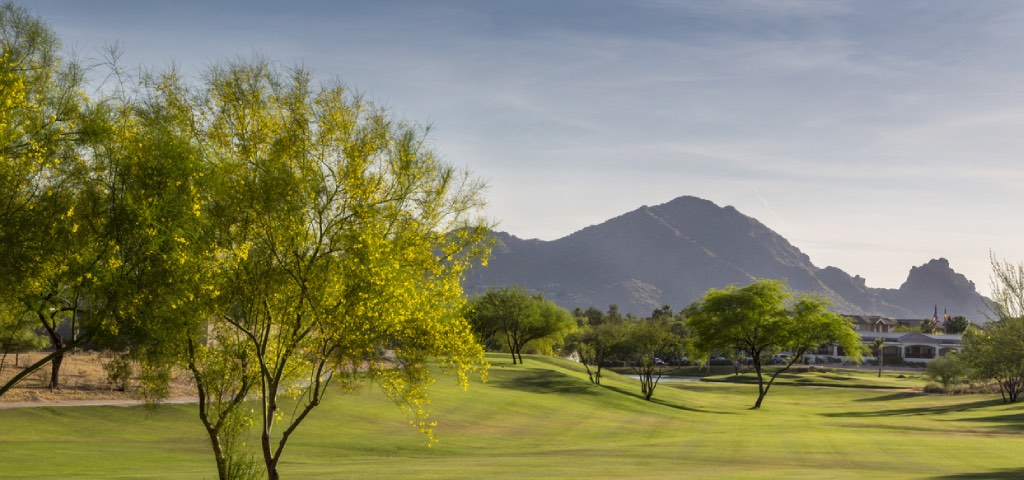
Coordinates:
[545,420]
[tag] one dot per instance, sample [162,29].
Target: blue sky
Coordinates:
[874,135]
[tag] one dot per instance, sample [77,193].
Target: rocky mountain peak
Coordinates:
[670,254]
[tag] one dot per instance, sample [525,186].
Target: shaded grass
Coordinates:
[833,378]
[545,420]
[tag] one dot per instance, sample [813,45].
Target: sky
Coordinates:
[873,135]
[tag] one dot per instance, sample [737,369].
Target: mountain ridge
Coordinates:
[670,254]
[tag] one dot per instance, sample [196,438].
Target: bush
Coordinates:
[962,388]
[119,372]
[947,370]
[933,388]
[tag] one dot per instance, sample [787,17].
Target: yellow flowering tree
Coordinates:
[340,241]
[46,259]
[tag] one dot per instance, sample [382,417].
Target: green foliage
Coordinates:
[645,344]
[955,325]
[758,321]
[929,326]
[948,370]
[48,261]
[515,317]
[997,353]
[596,344]
[1007,281]
[17,333]
[252,215]
[336,244]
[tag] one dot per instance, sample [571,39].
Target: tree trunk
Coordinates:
[590,374]
[760,398]
[761,391]
[272,470]
[50,325]
[511,348]
[218,452]
[55,372]
[881,360]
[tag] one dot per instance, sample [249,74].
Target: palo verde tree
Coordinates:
[760,320]
[997,352]
[1007,281]
[645,342]
[91,214]
[515,317]
[339,241]
[50,250]
[596,344]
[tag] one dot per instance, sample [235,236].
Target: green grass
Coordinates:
[834,378]
[544,420]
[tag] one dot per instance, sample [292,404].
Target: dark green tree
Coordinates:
[595,345]
[645,345]
[515,317]
[955,325]
[997,353]
[760,320]
[948,370]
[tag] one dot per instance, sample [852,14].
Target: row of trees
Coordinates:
[512,319]
[758,322]
[646,345]
[270,234]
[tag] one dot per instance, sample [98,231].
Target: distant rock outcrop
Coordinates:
[672,253]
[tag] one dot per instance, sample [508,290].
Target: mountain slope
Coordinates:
[672,253]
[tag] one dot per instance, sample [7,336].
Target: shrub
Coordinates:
[119,372]
[947,370]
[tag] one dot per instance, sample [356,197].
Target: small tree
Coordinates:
[997,353]
[517,318]
[879,347]
[644,344]
[929,326]
[955,325]
[947,370]
[757,321]
[595,344]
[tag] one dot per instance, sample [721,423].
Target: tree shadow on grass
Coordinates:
[659,401]
[1013,422]
[960,407]
[1006,473]
[889,397]
[540,381]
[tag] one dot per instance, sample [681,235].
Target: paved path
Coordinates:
[92,403]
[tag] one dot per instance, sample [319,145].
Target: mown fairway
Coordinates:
[544,420]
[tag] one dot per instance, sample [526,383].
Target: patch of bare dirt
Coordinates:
[83,380]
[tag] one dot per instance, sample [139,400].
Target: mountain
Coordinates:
[670,254]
